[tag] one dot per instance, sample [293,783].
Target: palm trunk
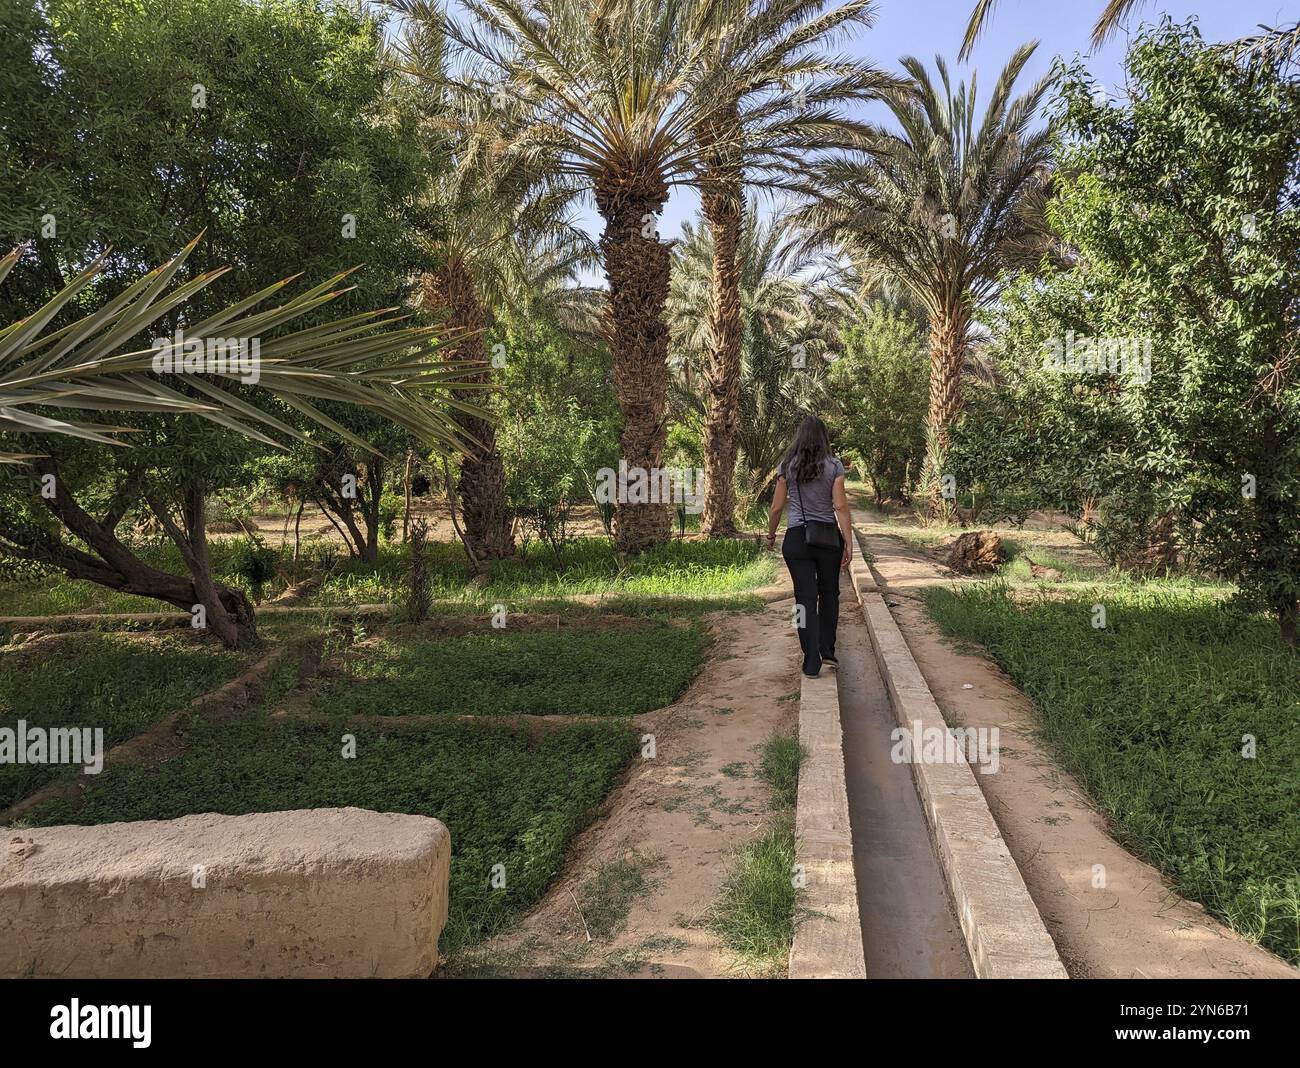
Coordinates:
[722,198]
[637,267]
[482,482]
[947,357]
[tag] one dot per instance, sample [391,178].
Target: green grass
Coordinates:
[691,569]
[779,767]
[1019,553]
[47,592]
[755,914]
[1150,714]
[509,797]
[719,573]
[605,897]
[103,680]
[591,670]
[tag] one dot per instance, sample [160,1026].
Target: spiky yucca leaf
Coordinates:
[98,364]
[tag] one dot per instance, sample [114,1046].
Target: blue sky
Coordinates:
[924,28]
[1064,27]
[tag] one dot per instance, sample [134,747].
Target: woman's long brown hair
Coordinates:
[811,446]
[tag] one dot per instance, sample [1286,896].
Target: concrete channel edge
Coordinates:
[1004,933]
[828,938]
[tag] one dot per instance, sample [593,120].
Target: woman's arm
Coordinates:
[844,517]
[775,512]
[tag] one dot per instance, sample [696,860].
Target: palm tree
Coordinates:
[497,219]
[615,92]
[777,109]
[943,208]
[785,333]
[543,286]
[81,366]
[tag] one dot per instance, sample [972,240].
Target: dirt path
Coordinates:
[1136,926]
[666,836]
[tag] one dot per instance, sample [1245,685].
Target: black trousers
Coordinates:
[816,575]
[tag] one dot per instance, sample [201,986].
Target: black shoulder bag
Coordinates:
[817,533]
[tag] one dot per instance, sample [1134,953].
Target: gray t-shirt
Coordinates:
[814,499]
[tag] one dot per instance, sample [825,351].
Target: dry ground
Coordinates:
[671,827]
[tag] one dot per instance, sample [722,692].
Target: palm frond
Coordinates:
[1114,13]
[98,362]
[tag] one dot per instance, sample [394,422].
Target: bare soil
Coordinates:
[680,816]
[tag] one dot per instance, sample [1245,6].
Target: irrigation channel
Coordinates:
[909,929]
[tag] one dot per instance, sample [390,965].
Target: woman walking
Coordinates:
[818,537]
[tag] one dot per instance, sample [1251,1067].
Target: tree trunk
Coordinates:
[357,526]
[406,493]
[111,564]
[947,357]
[1287,616]
[637,266]
[722,198]
[482,483]
[373,510]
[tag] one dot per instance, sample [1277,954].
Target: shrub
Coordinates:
[880,389]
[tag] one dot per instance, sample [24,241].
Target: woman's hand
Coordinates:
[771,540]
[848,555]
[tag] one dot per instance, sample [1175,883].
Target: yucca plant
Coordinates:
[98,364]
[944,207]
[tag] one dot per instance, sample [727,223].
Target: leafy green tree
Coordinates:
[877,387]
[1182,206]
[73,485]
[559,422]
[312,163]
